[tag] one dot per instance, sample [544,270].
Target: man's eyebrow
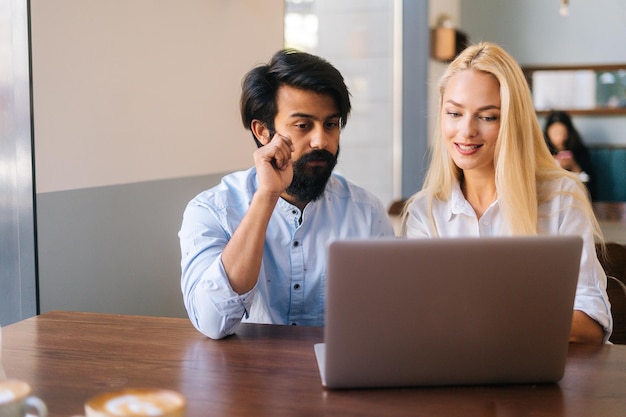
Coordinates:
[487,107]
[310,116]
[307,116]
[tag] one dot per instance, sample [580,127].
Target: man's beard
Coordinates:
[308,184]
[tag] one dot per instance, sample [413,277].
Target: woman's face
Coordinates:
[470,119]
[557,133]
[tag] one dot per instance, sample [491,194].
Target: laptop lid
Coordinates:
[453,311]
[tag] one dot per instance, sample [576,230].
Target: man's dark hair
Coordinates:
[295,69]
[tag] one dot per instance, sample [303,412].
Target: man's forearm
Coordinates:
[243,254]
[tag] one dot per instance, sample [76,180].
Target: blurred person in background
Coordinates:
[567,147]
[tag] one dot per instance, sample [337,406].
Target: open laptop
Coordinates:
[462,311]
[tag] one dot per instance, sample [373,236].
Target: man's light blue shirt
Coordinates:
[292,280]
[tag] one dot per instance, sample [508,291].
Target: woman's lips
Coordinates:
[467,149]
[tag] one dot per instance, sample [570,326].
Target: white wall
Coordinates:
[535,33]
[138,90]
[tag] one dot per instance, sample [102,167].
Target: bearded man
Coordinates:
[254,248]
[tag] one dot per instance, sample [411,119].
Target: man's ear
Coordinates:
[260,131]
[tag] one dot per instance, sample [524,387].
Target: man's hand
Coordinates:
[243,254]
[274,166]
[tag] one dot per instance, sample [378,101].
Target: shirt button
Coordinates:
[296,286]
[295,244]
[294,212]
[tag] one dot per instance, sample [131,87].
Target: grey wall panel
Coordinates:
[114,249]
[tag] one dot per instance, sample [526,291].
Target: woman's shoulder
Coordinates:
[418,202]
[423,203]
[564,181]
[562,190]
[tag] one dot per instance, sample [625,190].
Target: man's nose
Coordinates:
[319,138]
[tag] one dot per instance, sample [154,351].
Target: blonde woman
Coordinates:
[491,174]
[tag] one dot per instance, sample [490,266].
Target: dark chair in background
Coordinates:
[614,261]
[617,295]
[614,264]
[609,163]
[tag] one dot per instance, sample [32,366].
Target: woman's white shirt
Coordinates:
[557,216]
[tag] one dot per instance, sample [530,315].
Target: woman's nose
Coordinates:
[469,128]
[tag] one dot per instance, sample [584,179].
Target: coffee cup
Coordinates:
[16,400]
[136,402]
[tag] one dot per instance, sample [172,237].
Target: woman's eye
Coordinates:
[490,118]
[453,114]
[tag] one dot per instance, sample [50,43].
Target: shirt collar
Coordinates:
[458,203]
[286,206]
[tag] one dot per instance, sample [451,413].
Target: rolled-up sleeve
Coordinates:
[591,296]
[213,307]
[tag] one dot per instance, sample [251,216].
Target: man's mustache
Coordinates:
[316,155]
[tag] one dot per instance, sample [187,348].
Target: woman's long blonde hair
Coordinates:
[522,160]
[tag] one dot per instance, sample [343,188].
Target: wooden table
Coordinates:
[268,371]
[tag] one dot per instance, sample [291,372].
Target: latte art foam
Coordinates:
[6,396]
[134,404]
[12,389]
[137,403]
